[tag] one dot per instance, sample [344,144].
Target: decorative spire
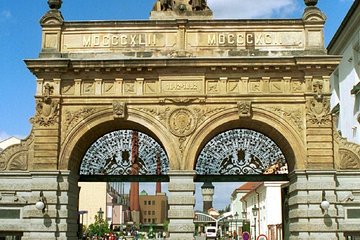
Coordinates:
[311,3]
[54,4]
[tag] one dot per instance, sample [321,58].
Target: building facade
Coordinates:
[345,81]
[153,209]
[211,100]
[107,199]
[263,206]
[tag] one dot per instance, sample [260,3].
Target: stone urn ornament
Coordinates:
[55,4]
[311,3]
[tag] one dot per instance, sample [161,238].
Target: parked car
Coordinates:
[210,232]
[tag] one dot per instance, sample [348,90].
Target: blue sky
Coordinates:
[20,38]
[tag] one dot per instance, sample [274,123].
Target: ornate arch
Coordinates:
[99,123]
[241,152]
[289,137]
[112,154]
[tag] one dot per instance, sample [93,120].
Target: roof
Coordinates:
[248,186]
[344,23]
[8,142]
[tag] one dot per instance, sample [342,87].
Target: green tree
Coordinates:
[99,228]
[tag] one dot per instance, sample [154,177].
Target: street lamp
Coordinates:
[236,229]
[255,212]
[100,214]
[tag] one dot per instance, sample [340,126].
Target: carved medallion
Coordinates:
[182,122]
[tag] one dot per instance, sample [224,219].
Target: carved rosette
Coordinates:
[182,122]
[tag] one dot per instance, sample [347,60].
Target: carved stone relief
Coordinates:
[119,109]
[348,154]
[108,87]
[16,157]
[88,88]
[129,87]
[151,87]
[182,122]
[47,109]
[233,87]
[244,108]
[348,160]
[213,87]
[254,86]
[73,118]
[19,162]
[318,112]
[68,88]
[293,115]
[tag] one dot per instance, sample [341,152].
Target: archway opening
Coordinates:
[256,170]
[113,196]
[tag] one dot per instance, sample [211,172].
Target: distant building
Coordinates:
[263,207]
[345,81]
[8,142]
[107,199]
[153,209]
[236,206]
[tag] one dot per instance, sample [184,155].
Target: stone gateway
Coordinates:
[185,82]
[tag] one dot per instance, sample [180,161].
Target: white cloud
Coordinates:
[247,9]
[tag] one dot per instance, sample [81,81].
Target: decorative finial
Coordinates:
[55,4]
[311,3]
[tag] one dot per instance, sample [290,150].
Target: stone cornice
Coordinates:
[61,64]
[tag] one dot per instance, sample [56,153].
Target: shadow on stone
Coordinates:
[327,220]
[47,221]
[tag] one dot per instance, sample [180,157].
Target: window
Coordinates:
[149,202]
[153,202]
[10,213]
[153,212]
[353,213]
[145,202]
[10,235]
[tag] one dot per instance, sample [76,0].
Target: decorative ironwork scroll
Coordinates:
[112,154]
[241,152]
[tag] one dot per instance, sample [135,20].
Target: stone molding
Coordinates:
[17,157]
[347,154]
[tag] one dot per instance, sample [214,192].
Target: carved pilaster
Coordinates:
[181,214]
